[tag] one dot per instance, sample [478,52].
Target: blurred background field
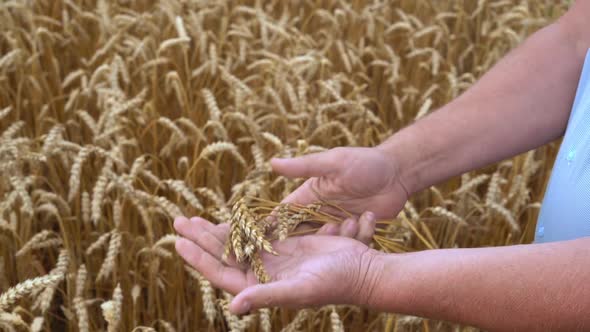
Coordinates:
[116,116]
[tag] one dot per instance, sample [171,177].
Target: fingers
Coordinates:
[208,236]
[312,165]
[329,229]
[230,279]
[349,228]
[362,229]
[304,195]
[278,293]
[367,224]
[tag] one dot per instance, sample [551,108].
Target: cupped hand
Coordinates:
[309,270]
[357,179]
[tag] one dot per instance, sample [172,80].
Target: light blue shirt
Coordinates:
[565,213]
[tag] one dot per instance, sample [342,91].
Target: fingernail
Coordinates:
[369,215]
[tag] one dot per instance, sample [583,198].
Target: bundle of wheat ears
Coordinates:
[254,226]
[117,116]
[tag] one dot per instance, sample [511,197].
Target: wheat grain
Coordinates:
[335,321]
[253,127]
[12,295]
[104,49]
[11,320]
[218,128]
[442,212]
[117,213]
[37,324]
[424,109]
[99,191]
[235,243]
[212,59]
[258,155]
[351,140]
[493,192]
[5,112]
[214,111]
[171,209]
[297,323]
[100,242]
[51,243]
[207,294]
[9,201]
[52,138]
[82,313]
[247,223]
[111,310]
[275,75]
[515,187]
[110,260]
[169,43]
[167,123]
[181,188]
[81,277]
[273,139]
[36,239]
[276,99]
[405,320]
[21,189]
[258,267]
[76,171]
[166,326]
[6,228]
[472,184]
[44,300]
[265,320]
[234,81]
[218,147]
[506,214]
[235,324]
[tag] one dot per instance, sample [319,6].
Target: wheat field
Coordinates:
[117,116]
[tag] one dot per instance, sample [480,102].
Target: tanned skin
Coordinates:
[523,102]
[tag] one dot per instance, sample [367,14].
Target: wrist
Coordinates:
[393,288]
[404,155]
[375,275]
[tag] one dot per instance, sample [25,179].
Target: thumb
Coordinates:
[311,165]
[274,294]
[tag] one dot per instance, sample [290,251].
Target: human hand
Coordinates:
[309,270]
[357,179]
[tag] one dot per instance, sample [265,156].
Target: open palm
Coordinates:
[309,270]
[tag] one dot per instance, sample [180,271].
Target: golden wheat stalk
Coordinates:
[111,310]
[13,294]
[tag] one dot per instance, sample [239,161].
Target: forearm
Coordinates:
[521,103]
[527,287]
